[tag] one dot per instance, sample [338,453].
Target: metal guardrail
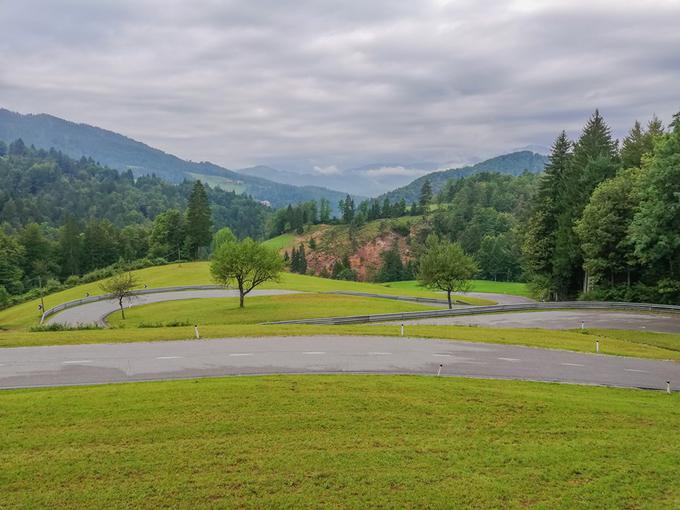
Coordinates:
[104,297]
[475,310]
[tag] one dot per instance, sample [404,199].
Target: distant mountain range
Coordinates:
[371,179]
[514,164]
[122,153]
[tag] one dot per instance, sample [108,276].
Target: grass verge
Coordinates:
[513,288]
[339,442]
[197,273]
[260,309]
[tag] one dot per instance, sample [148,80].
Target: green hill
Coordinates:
[123,153]
[513,164]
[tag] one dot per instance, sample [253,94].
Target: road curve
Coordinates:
[500,299]
[95,313]
[565,319]
[107,363]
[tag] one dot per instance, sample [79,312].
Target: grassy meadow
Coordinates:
[197,273]
[339,442]
[513,288]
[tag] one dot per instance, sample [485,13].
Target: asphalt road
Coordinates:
[106,363]
[566,319]
[95,313]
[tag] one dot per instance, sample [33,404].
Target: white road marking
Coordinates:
[572,364]
[76,361]
[314,352]
[634,370]
[442,355]
[379,353]
[241,354]
[509,359]
[168,357]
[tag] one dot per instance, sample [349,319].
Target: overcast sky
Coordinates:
[340,83]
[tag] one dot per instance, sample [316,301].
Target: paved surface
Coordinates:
[96,312]
[90,364]
[566,319]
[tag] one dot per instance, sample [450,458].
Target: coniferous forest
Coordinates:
[601,222]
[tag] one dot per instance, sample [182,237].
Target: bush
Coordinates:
[63,327]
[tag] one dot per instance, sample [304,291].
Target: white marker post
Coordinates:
[597,346]
[439,371]
[583,325]
[668,387]
[402,329]
[196,332]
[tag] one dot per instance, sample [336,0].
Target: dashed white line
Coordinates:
[634,370]
[241,354]
[442,355]
[572,365]
[168,357]
[76,362]
[314,352]
[379,353]
[510,359]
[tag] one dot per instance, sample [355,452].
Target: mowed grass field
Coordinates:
[196,273]
[513,288]
[339,442]
[259,309]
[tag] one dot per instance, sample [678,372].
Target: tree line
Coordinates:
[62,218]
[605,220]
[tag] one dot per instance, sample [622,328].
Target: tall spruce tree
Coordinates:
[425,196]
[199,220]
[552,197]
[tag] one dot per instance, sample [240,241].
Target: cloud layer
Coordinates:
[337,84]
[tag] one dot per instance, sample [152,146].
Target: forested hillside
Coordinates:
[515,163]
[605,220]
[122,153]
[61,218]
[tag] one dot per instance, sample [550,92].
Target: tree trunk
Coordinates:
[241,298]
[448,295]
[122,309]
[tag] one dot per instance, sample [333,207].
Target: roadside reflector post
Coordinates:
[597,346]
[439,371]
[196,332]
[583,324]
[668,387]
[402,329]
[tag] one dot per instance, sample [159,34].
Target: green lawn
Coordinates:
[195,273]
[514,288]
[339,442]
[259,309]
[281,242]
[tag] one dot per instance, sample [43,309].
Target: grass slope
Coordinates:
[194,273]
[339,442]
[259,309]
[513,288]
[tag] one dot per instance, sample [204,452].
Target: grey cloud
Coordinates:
[340,83]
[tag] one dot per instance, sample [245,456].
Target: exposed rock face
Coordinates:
[363,248]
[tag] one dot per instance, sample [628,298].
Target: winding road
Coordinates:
[96,313]
[108,363]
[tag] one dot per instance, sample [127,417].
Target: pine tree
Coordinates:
[552,196]
[425,196]
[199,220]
